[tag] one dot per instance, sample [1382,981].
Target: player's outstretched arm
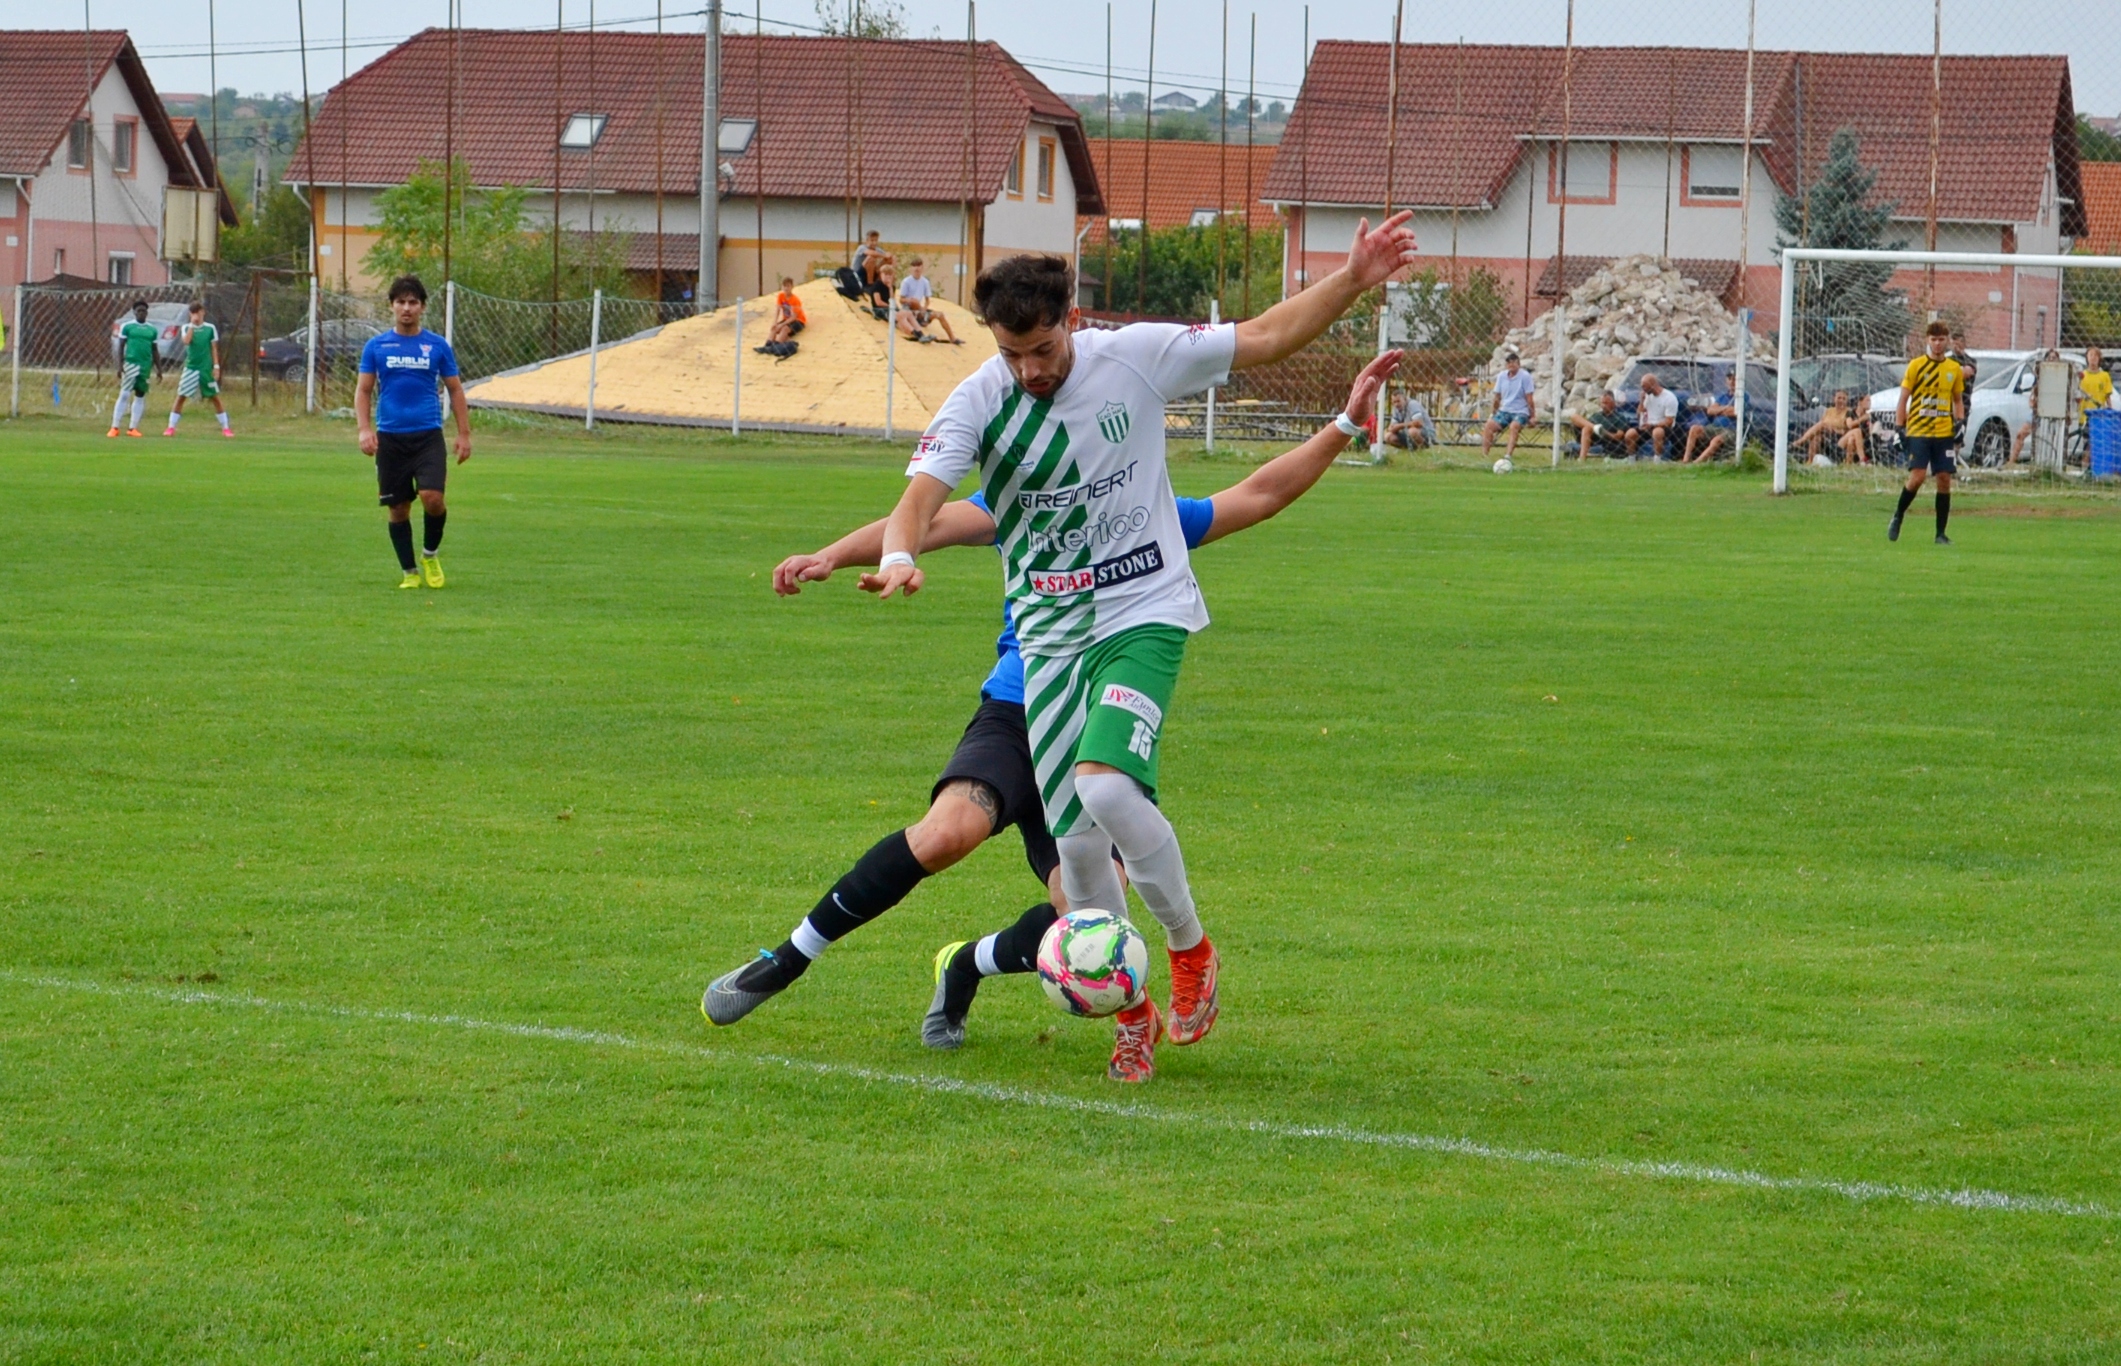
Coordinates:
[1290,475]
[907,528]
[1296,321]
[959,523]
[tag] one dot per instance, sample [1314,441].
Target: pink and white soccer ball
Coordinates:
[1093,963]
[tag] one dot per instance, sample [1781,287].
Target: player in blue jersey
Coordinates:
[989,783]
[400,371]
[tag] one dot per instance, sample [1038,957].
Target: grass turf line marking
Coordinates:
[1862,1191]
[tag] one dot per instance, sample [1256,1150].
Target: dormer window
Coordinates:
[582,131]
[733,138]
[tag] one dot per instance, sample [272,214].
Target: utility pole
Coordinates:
[710,284]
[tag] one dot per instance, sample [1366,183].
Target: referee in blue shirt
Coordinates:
[399,371]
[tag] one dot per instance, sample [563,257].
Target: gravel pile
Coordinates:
[1637,306]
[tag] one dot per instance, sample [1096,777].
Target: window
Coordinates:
[583,130]
[1593,173]
[1045,168]
[1013,174]
[58,260]
[1202,218]
[121,268]
[79,143]
[1713,173]
[733,138]
[124,135]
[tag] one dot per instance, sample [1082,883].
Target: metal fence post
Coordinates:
[1783,351]
[736,387]
[1215,316]
[309,353]
[596,324]
[14,352]
[1745,337]
[1561,340]
[890,362]
[449,312]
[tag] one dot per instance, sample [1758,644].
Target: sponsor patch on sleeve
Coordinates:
[922,449]
[1128,700]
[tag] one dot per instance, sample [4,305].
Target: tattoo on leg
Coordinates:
[982,796]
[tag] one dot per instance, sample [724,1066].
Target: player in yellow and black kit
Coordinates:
[1932,404]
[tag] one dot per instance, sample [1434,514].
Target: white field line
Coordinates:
[1965,1198]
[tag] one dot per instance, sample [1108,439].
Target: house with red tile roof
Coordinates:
[2102,207]
[957,155]
[86,150]
[1657,152]
[1189,183]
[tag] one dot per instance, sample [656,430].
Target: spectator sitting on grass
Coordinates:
[1607,429]
[871,262]
[1514,404]
[913,300]
[1716,423]
[1654,417]
[1410,427]
[788,318]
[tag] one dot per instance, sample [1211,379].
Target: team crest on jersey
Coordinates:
[1112,421]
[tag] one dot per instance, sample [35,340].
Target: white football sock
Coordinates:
[223,415]
[1149,848]
[173,416]
[139,409]
[117,414]
[807,940]
[1087,874]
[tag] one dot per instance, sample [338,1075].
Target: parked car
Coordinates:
[339,343]
[2000,404]
[1695,379]
[168,321]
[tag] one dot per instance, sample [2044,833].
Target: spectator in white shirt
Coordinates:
[913,300]
[1514,405]
[1654,417]
[1410,427]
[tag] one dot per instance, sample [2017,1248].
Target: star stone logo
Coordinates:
[1112,421]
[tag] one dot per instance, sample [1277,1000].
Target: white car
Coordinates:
[2000,405]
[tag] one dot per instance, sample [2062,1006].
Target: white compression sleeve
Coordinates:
[1087,874]
[1149,848]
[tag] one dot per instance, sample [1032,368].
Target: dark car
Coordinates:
[1696,379]
[339,343]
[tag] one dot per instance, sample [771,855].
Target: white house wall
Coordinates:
[127,208]
[1028,223]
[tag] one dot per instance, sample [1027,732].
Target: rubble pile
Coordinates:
[1637,306]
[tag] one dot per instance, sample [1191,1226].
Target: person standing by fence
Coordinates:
[136,364]
[202,369]
[399,370]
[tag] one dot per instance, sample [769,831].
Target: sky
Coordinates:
[1064,42]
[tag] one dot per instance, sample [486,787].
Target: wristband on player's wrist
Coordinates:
[1348,426]
[893,558]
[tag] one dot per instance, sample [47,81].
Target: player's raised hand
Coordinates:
[791,574]
[898,578]
[1372,378]
[1377,254]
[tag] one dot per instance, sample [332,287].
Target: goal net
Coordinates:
[2033,328]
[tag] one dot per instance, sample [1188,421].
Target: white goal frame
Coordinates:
[1795,256]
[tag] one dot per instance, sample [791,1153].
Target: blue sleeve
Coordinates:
[368,356]
[1195,516]
[979,500]
[445,360]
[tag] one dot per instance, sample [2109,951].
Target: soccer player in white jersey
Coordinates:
[1066,430]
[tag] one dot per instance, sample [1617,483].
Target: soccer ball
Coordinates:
[1093,963]
[1503,466]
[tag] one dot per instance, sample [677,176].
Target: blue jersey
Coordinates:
[407,371]
[1006,683]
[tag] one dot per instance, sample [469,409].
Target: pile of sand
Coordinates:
[683,372]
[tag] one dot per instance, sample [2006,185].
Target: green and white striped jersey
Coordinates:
[1084,515]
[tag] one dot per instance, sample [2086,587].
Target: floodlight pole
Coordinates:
[710,284]
[1792,257]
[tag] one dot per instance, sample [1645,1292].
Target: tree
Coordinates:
[492,247]
[862,18]
[2095,144]
[1182,271]
[1851,300]
[277,235]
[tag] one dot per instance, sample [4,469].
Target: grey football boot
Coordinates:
[938,1030]
[728,1000]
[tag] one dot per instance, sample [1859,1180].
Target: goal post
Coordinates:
[2053,331]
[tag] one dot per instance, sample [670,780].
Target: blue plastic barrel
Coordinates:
[2105,425]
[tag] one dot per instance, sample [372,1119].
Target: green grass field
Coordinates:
[351,939]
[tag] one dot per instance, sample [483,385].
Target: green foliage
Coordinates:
[2096,144]
[1475,314]
[277,235]
[1836,211]
[1183,272]
[2091,304]
[861,18]
[494,247]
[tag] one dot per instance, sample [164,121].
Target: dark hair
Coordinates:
[197,306]
[139,303]
[1939,328]
[1025,293]
[408,284]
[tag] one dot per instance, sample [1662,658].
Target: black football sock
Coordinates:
[1907,496]
[1012,950]
[431,531]
[879,880]
[401,541]
[1944,512]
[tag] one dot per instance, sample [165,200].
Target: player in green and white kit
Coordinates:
[202,369]
[136,363]
[1066,431]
